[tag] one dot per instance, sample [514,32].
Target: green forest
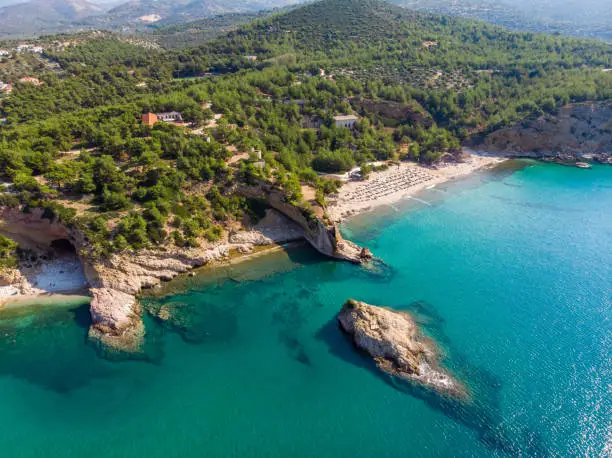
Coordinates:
[76,147]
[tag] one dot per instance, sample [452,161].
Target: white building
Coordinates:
[346,121]
[172,116]
[29,48]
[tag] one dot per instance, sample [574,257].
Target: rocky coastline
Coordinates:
[117,330]
[577,132]
[399,348]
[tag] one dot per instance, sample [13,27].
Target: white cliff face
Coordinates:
[398,346]
[325,239]
[273,228]
[12,284]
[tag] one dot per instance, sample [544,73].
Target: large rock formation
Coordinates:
[117,329]
[578,129]
[324,238]
[398,346]
[12,284]
[31,229]
[115,282]
[116,324]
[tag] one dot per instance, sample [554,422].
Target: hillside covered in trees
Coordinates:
[259,106]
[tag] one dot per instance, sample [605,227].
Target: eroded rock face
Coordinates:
[31,229]
[578,129]
[398,346]
[117,330]
[117,327]
[273,228]
[326,239]
[12,283]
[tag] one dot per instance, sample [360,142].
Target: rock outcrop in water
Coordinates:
[116,328]
[398,346]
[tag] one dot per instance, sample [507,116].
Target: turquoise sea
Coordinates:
[509,271]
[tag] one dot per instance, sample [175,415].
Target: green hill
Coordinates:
[373,30]
[566,17]
[420,84]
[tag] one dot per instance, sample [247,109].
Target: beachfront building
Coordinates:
[347,121]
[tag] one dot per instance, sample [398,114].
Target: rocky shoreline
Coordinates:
[117,330]
[398,347]
[580,131]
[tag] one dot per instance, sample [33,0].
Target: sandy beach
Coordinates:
[399,182]
[57,276]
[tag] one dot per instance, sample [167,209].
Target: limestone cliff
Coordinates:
[31,229]
[13,283]
[398,346]
[324,238]
[114,282]
[578,129]
[116,326]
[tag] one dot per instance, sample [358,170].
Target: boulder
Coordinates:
[398,346]
[366,254]
[117,331]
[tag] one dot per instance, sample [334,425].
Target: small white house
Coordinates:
[346,121]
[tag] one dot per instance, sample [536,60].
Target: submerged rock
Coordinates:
[398,346]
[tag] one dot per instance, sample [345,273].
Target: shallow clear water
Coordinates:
[510,273]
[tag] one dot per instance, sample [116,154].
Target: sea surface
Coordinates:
[509,271]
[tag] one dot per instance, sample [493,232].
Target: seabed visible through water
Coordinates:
[509,271]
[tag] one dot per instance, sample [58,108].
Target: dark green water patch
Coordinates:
[47,347]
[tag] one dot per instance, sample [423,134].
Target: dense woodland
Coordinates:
[76,147]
